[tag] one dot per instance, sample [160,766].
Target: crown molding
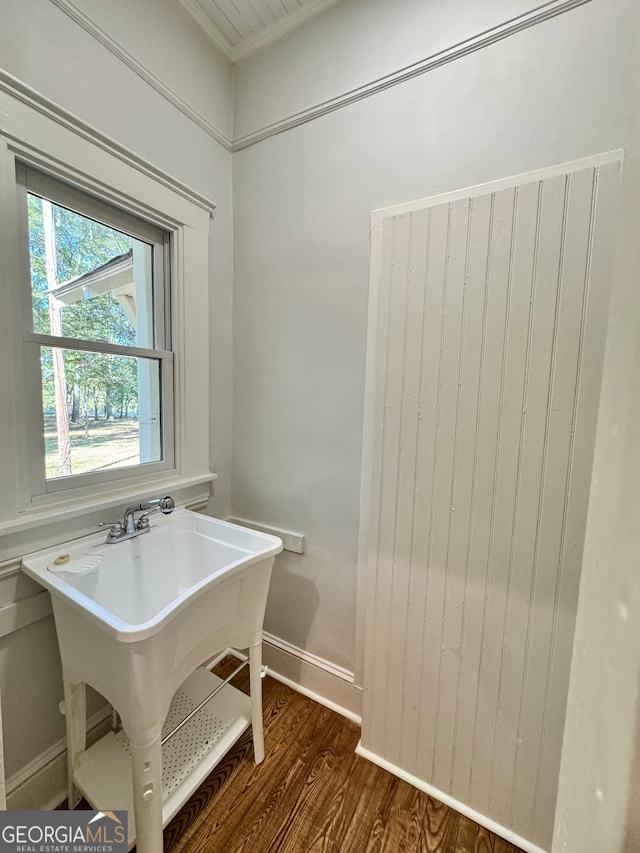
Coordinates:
[538,15]
[142,71]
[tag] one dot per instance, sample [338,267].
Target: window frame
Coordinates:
[30,181]
[80,157]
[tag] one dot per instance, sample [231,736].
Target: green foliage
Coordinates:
[83,245]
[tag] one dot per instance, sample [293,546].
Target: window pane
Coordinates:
[88,280]
[100,411]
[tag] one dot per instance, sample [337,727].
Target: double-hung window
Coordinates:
[104,330]
[97,344]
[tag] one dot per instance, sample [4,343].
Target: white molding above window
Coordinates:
[20,105]
[31,138]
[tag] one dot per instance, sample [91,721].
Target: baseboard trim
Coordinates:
[309,658]
[42,783]
[325,683]
[450,801]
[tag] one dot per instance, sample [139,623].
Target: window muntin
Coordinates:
[99,371]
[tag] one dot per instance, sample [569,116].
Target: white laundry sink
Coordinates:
[135,620]
[132,589]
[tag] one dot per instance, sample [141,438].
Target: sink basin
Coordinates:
[134,588]
[136,620]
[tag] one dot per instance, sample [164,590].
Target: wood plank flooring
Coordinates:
[313,794]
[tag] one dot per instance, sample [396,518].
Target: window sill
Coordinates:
[102,500]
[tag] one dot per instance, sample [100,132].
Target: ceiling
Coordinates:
[239,27]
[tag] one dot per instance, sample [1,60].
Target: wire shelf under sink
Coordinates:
[103,774]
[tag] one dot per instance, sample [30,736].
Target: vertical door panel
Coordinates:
[490,337]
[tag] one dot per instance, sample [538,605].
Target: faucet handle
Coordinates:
[117,527]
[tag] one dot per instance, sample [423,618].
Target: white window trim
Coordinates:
[93,167]
[30,181]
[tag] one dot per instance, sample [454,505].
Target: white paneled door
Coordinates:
[487,335]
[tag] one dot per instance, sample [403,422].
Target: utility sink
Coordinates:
[133,589]
[136,620]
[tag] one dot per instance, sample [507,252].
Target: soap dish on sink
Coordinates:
[76,565]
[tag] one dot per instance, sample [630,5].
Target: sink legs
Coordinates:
[146,760]
[146,752]
[146,766]
[255,683]
[75,705]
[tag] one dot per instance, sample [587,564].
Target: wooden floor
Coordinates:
[313,794]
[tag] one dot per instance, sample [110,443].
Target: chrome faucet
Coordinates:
[130,527]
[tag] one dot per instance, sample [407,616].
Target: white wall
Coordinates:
[168,44]
[599,786]
[144,75]
[552,93]
[351,45]
[55,55]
